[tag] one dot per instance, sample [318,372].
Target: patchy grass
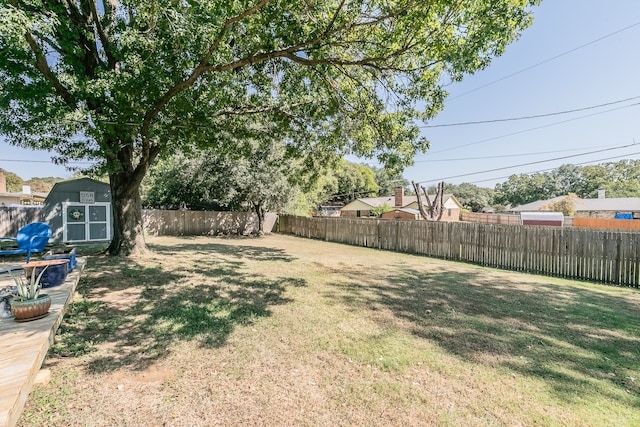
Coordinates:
[287,331]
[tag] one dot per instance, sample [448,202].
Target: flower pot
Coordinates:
[54,275]
[26,310]
[63,253]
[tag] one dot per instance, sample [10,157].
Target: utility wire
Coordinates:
[550,169]
[40,161]
[510,155]
[545,61]
[534,128]
[511,119]
[527,164]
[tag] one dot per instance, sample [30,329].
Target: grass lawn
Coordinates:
[288,331]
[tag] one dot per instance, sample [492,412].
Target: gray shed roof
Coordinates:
[74,185]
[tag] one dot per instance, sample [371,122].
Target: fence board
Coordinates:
[197,223]
[605,256]
[12,219]
[606,223]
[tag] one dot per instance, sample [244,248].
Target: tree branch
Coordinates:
[258,110]
[104,39]
[287,53]
[43,67]
[199,70]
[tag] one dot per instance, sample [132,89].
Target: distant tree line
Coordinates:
[38,185]
[264,179]
[618,179]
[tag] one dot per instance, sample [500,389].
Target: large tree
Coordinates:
[122,83]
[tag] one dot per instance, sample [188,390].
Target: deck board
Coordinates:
[24,346]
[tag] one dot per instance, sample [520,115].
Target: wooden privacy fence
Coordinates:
[511,219]
[196,223]
[611,257]
[610,223]
[490,218]
[12,219]
[157,222]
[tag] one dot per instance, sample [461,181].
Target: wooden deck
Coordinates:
[23,347]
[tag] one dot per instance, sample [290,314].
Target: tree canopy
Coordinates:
[619,179]
[123,83]
[469,195]
[207,180]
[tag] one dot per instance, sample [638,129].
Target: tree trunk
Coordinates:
[128,234]
[436,208]
[260,212]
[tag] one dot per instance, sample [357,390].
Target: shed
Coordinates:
[79,211]
[542,218]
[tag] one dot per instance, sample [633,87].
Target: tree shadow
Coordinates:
[255,253]
[574,338]
[139,310]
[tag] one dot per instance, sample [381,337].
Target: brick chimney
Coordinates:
[399,193]
[3,183]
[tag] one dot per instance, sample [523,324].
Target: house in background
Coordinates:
[602,207]
[404,207]
[24,198]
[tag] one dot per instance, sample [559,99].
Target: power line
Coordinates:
[510,119]
[39,161]
[527,164]
[546,60]
[550,169]
[534,128]
[510,155]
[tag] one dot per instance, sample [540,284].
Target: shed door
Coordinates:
[86,223]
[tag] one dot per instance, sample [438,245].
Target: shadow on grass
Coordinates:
[139,311]
[579,340]
[235,251]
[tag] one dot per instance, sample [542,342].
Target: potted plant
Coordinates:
[29,303]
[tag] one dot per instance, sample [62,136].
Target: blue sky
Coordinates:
[605,71]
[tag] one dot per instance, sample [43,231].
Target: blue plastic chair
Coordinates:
[30,239]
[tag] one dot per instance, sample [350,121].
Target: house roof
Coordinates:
[535,206]
[409,210]
[602,204]
[24,195]
[375,202]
